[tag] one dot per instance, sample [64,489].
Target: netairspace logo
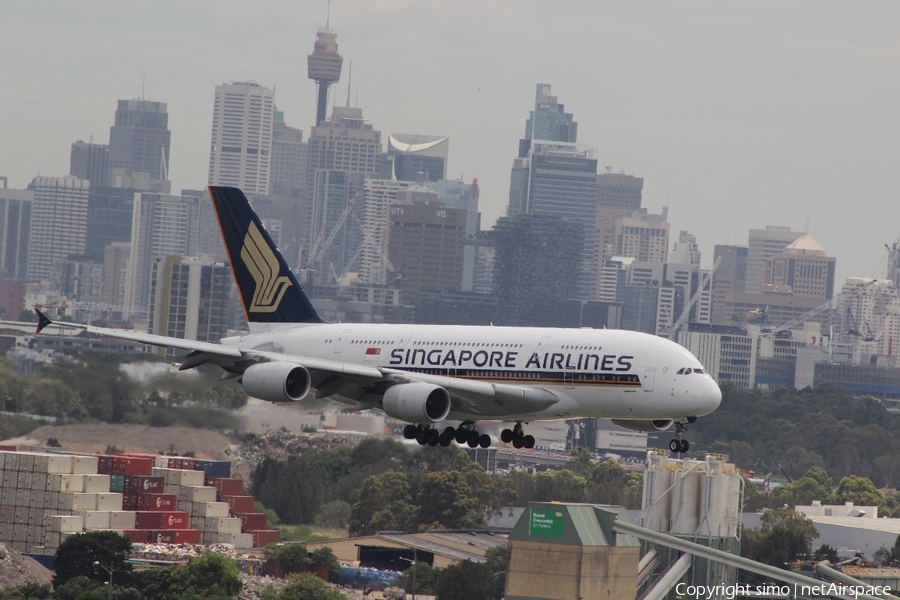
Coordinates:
[730,592]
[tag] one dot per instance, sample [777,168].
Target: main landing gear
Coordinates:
[464,434]
[517,436]
[679,445]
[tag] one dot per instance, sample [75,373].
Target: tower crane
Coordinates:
[707,277]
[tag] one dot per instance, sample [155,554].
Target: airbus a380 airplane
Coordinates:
[426,374]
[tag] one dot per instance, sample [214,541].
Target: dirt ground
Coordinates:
[16,570]
[203,443]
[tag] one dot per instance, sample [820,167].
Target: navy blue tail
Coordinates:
[269,291]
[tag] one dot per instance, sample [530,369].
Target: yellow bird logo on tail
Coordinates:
[264,268]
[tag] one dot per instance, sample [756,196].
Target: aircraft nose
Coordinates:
[712,396]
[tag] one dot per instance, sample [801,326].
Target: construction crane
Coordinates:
[704,280]
[368,238]
[817,311]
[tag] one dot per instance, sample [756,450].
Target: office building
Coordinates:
[619,195]
[345,143]
[549,120]
[374,267]
[728,279]
[139,146]
[58,223]
[425,245]
[802,267]
[15,232]
[110,214]
[243,120]
[287,175]
[115,272]
[456,193]
[642,236]
[686,250]
[762,245]
[338,202]
[162,226]
[189,298]
[414,154]
[89,161]
[533,266]
[81,280]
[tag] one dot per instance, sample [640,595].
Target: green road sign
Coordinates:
[546,523]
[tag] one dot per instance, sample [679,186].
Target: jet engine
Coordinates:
[276,381]
[646,426]
[417,402]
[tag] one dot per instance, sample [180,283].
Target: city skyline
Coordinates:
[736,117]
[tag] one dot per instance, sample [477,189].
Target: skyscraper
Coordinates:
[110,213]
[89,161]
[344,143]
[58,223]
[324,67]
[620,196]
[139,146]
[243,117]
[804,268]
[15,232]
[549,120]
[762,245]
[287,175]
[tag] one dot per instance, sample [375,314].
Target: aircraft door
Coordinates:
[649,379]
[569,379]
[342,339]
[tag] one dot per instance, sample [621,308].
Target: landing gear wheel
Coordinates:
[675,445]
[461,436]
[528,442]
[422,437]
[685,446]
[433,437]
[410,431]
[473,439]
[484,441]
[450,432]
[518,441]
[445,440]
[506,436]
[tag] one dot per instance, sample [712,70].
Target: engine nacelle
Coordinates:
[417,402]
[645,426]
[276,381]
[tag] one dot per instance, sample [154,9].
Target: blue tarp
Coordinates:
[363,577]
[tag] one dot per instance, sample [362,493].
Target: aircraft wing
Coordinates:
[362,384]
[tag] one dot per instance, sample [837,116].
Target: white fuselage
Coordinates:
[594,373]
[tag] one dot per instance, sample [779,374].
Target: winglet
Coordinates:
[43,321]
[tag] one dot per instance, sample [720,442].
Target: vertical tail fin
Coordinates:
[269,291]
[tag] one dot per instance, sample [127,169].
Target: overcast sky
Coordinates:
[737,115]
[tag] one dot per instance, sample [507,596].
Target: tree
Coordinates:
[287,556]
[384,503]
[800,493]
[782,537]
[425,578]
[889,468]
[465,581]
[607,482]
[334,514]
[860,491]
[212,575]
[497,560]
[581,463]
[445,503]
[93,555]
[306,586]
[325,556]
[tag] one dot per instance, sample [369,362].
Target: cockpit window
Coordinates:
[700,371]
[680,371]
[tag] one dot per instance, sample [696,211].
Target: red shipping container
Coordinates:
[148,520]
[240,504]
[226,486]
[187,536]
[144,484]
[163,536]
[156,502]
[175,520]
[137,466]
[137,536]
[104,464]
[130,502]
[264,538]
[251,521]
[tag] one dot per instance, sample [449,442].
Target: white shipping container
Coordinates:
[10,478]
[26,462]
[198,493]
[40,462]
[109,501]
[161,462]
[172,489]
[3,454]
[35,516]
[51,499]
[241,541]
[85,465]
[23,480]
[228,525]
[58,463]
[209,509]
[20,532]
[65,483]
[11,462]
[36,499]
[75,501]
[122,519]
[96,519]
[190,478]
[208,538]
[7,497]
[39,481]
[96,483]
[51,539]
[22,497]
[21,515]
[66,523]
[35,535]
[5,531]
[7,513]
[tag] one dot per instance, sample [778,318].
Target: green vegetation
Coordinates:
[93,387]
[381,485]
[784,536]
[823,427]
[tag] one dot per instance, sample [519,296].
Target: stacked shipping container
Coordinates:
[150,499]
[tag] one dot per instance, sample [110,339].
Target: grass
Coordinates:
[306,533]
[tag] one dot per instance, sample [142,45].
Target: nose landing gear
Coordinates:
[678,445]
[517,436]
